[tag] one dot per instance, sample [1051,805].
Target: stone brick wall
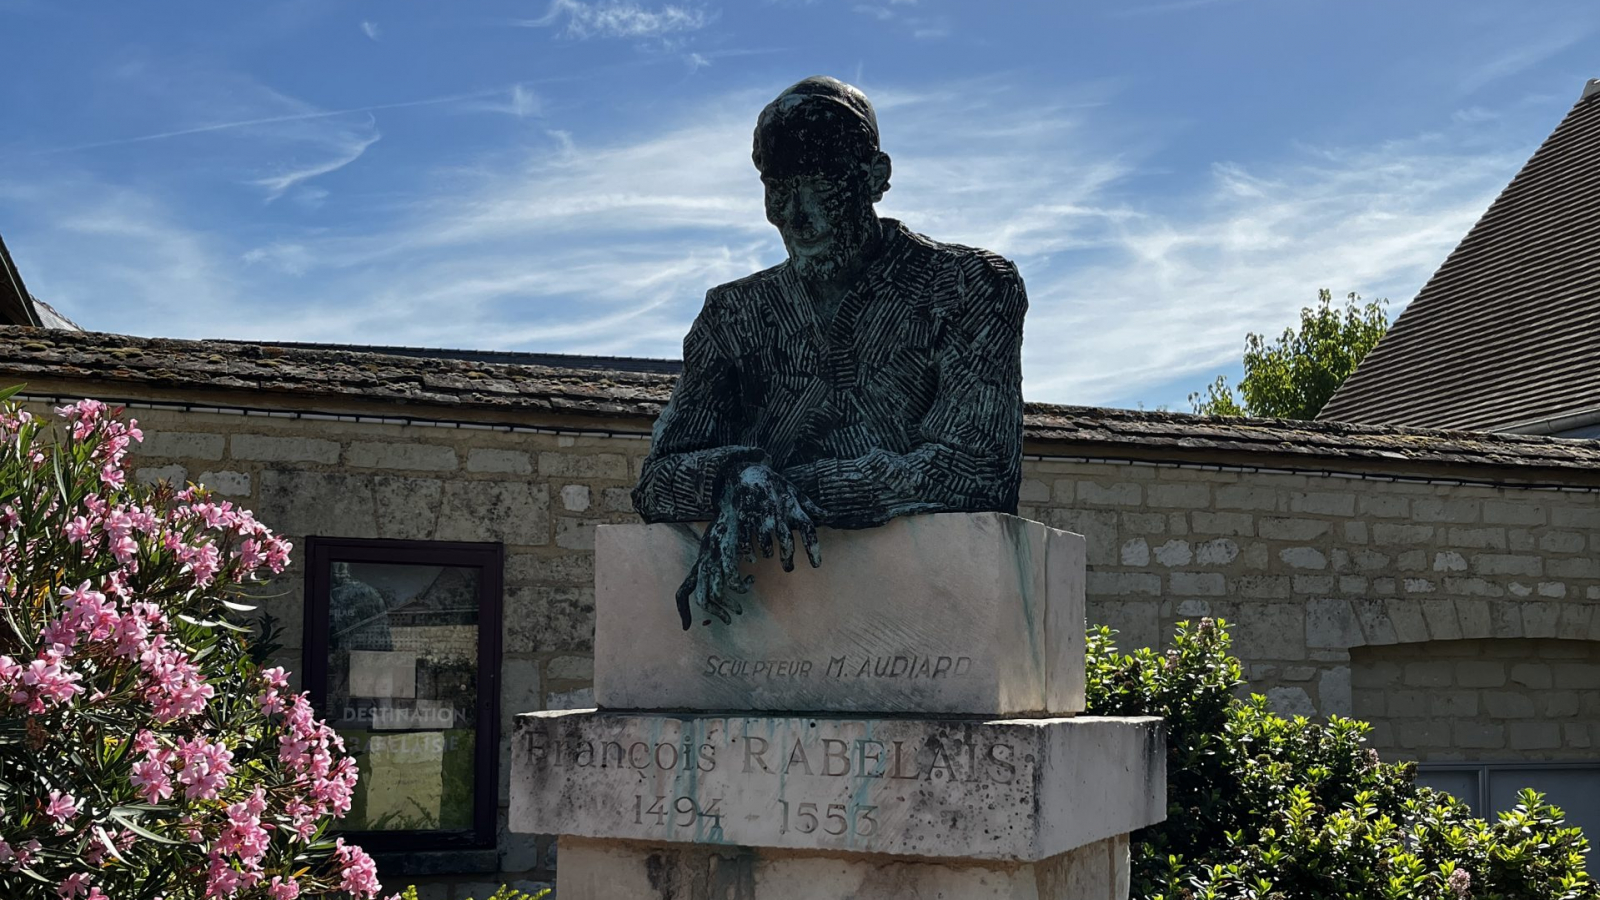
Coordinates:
[1331,581]
[1310,567]
[1502,700]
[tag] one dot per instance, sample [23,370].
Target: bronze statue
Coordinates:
[875,373]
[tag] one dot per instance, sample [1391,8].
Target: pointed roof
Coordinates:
[16,304]
[1506,335]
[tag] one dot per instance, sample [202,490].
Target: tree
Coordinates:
[1260,807]
[144,750]
[1294,377]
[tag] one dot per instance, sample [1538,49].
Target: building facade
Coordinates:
[1442,585]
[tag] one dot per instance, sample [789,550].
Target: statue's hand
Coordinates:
[769,507]
[756,506]
[715,572]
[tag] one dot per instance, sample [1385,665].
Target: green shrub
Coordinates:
[1268,808]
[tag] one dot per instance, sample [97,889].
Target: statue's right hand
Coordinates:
[769,507]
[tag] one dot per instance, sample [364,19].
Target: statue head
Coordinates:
[816,147]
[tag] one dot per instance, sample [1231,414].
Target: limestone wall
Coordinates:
[1312,566]
[1502,700]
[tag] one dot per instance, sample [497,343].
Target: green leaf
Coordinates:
[127,821]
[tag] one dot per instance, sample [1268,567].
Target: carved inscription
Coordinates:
[683,811]
[1001,789]
[931,759]
[905,667]
[858,784]
[848,816]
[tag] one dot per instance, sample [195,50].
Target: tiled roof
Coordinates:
[1507,332]
[313,378]
[1307,444]
[520,358]
[348,373]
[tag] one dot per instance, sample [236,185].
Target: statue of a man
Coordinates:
[875,373]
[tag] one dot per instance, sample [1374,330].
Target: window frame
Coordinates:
[489,559]
[1488,768]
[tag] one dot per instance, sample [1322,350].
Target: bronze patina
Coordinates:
[875,373]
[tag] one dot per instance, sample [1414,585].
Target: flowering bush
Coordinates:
[1268,808]
[143,753]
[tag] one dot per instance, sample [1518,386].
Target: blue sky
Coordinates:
[572,175]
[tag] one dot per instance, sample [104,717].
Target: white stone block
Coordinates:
[1020,790]
[378,455]
[173,475]
[227,483]
[950,614]
[181,445]
[272,448]
[598,870]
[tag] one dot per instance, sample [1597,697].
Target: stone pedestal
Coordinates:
[898,723]
[978,614]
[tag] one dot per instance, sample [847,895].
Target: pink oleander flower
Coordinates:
[281,888]
[202,562]
[61,806]
[150,777]
[48,681]
[271,699]
[205,768]
[22,857]
[80,530]
[359,875]
[73,886]
[10,672]
[250,554]
[124,548]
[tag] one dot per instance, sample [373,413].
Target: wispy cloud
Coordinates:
[345,149]
[519,100]
[920,27]
[1523,57]
[582,19]
[607,246]
[370,29]
[1174,292]
[1473,115]
[160,270]
[303,115]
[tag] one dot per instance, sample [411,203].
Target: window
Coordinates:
[1573,786]
[402,643]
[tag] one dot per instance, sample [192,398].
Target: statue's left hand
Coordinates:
[755,506]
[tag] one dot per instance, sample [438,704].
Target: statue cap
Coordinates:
[817,121]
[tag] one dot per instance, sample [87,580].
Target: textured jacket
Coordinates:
[908,401]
